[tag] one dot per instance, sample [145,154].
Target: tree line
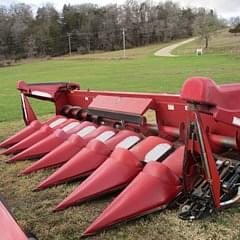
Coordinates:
[89,27]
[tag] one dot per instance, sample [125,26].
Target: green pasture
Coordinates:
[140,71]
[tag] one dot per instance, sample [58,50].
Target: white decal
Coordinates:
[157,152]
[128,142]
[236,121]
[70,126]
[105,136]
[171,107]
[24,107]
[41,94]
[57,122]
[85,131]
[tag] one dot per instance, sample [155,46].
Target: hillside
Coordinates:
[140,71]
[222,42]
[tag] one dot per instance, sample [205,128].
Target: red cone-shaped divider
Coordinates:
[42,147]
[58,155]
[92,156]
[175,161]
[83,162]
[114,173]
[117,171]
[65,151]
[25,132]
[153,189]
[38,135]
[50,142]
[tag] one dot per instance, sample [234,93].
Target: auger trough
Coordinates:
[188,159]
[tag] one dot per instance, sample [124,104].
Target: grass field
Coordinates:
[33,211]
[220,43]
[141,71]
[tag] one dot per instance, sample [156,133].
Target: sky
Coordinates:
[224,8]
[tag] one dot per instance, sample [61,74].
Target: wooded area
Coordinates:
[88,27]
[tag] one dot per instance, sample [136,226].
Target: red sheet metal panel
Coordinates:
[224,98]
[9,229]
[45,90]
[205,91]
[121,104]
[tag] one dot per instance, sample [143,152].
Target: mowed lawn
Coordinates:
[141,71]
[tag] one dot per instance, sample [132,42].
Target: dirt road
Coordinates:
[166,52]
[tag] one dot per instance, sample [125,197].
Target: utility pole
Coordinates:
[69,43]
[124,43]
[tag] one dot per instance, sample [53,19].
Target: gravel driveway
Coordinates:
[166,52]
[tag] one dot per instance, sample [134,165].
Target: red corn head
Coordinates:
[50,142]
[118,170]
[28,130]
[153,189]
[65,151]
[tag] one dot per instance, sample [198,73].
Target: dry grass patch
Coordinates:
[33,210]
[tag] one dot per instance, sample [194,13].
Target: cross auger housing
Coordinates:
[188,158]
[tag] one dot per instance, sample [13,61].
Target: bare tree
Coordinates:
[234,21]
[205,24]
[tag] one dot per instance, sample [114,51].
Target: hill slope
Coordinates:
[141,71]
[221,42]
